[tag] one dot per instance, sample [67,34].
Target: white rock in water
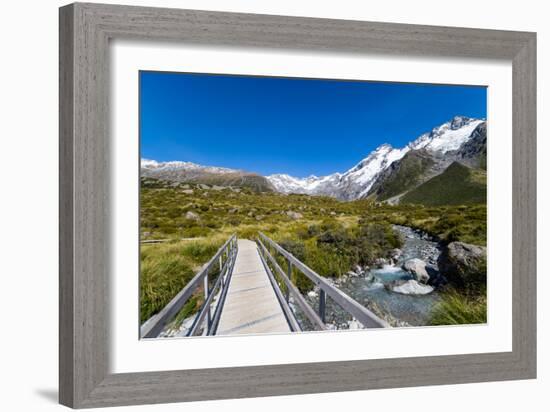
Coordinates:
[312,294]
[412,287]
[418,268]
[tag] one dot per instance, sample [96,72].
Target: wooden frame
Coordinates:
[85,31]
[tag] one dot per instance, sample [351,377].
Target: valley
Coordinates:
[403,231]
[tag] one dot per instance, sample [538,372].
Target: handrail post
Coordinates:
[289,274]
[221,264]
[322,304]
[206,294]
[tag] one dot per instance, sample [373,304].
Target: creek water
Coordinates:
[369,287]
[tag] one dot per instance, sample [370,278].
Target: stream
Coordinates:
[369,287]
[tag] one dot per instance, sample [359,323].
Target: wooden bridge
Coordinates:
[246,291]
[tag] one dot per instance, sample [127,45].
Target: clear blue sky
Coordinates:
[296,126]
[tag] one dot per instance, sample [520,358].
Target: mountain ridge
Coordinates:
[385,173]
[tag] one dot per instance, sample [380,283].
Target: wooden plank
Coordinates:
[251,305]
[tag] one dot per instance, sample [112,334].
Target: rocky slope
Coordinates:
[457,185]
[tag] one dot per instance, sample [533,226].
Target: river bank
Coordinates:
[375,287]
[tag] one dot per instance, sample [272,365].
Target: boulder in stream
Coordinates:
[417,268]
[409,287]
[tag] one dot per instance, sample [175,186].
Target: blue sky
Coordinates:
[288,125]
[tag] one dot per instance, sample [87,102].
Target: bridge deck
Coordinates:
[251,305]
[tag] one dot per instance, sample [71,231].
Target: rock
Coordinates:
[396,253]
[203,186]
[355,274]
[417,268]
[216,187]
[192,216]
[260,217]
[333,213]
[409,287]
[463,263]
[294,215]
[379,262]
[234,210]
[187,191]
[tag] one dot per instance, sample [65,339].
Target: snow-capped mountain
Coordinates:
[357,181]
[153,167]
[446,143]
[449,136]
[288,184]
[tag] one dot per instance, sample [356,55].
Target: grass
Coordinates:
[458,308]
[457,185]
[167,267]
[408,173]
[331,236]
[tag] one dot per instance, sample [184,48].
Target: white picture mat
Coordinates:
[129,354]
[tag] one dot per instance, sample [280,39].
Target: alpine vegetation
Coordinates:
[347,189]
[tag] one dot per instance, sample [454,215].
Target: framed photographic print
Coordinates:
[260,205]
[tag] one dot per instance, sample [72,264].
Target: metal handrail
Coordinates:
[289,315]
[154,325]
[354,308]
[318,324]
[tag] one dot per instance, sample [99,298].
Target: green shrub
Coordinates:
[459,309]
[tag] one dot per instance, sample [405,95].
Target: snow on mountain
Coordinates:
[357,181]
[288,184]
[349,185]
[449,136]
[153,165]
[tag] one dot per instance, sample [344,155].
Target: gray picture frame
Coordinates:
[85,32]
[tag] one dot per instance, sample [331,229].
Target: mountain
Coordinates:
[447,137]
[350,185]
[461,139]
[386,174]
[474,152]
[402,175]
[188,172]
[457,185]
[381,176]
[437,152]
